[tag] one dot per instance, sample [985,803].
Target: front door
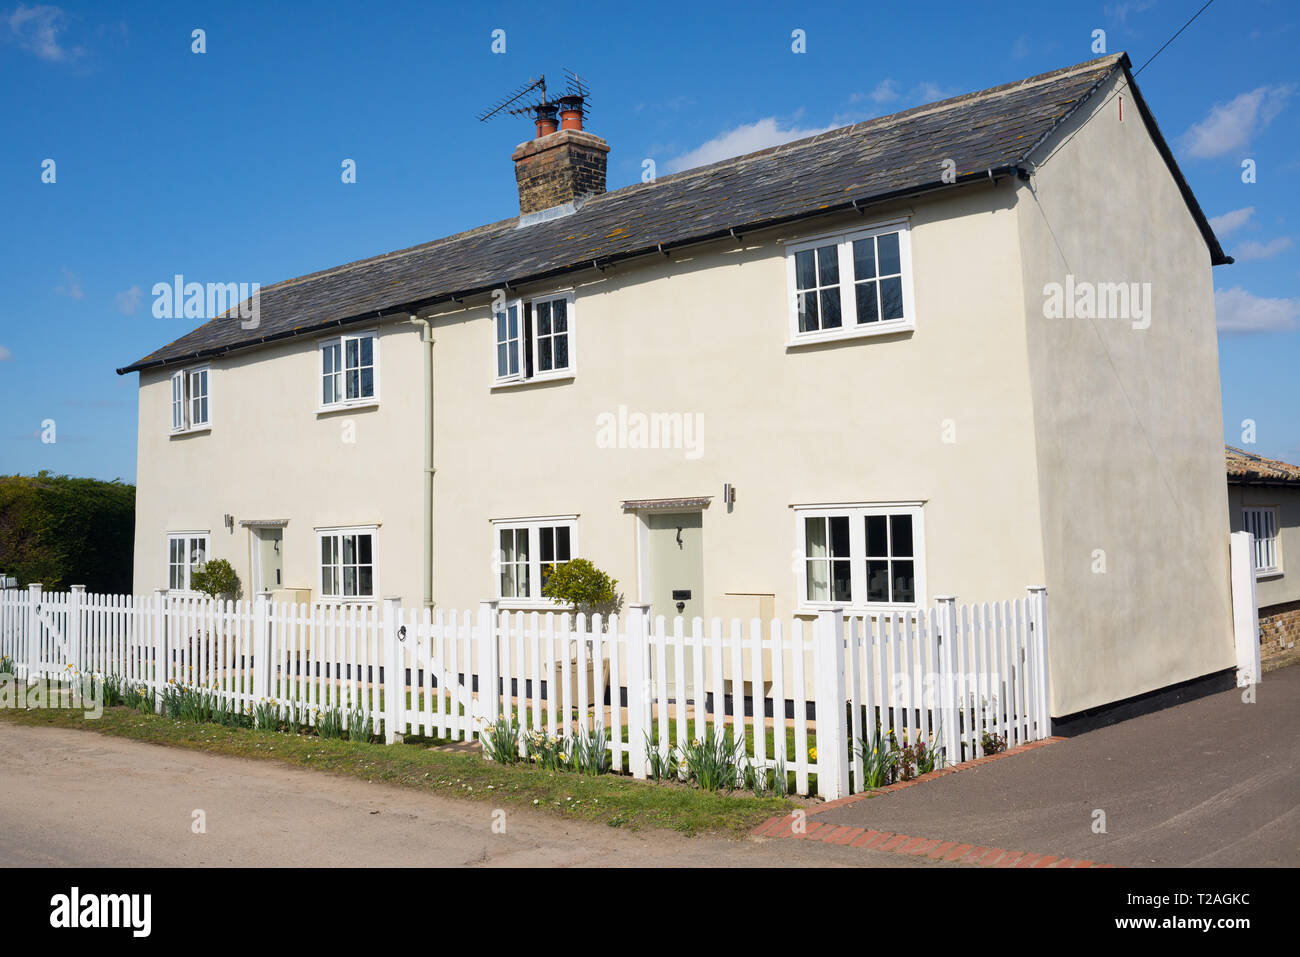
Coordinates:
[676,559]
[268,559]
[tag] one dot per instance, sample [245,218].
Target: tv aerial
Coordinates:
[567,111]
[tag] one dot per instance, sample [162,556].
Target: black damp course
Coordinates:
[1103,716]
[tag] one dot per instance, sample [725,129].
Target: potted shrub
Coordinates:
[588,590]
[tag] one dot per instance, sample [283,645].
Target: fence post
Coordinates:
[76,599]
[638,698]
[262,664]
[1043,680]
[394,671]
[832,727]
[489,664]
[33,631]
[161,662]
[1245,608]
[948,663]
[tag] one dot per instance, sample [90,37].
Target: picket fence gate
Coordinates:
[802,697]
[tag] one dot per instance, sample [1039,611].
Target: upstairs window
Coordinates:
[1262,523]
[348,366]
[190,400]
[534,339]
[850,284]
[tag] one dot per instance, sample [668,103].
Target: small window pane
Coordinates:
[547,546]
[878,580]
[809,316]
[841,583]
[840,536]
[867,307]
[828,265]
[367,351]
[877,536]
[562,351]
[891,298]
[830,308]
[545,361]
[364,545]
[562,553]
[864,259]
[543,318]
[819,581]
[805,269]
[900,531]
[887,246]
[559,312]
[365,581]
[904,581]
[815,536]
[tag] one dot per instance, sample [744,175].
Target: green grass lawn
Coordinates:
[614,800]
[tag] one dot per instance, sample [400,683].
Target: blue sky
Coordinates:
[225,166]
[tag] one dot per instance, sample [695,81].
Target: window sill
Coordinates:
[1265,573]
[535,380]
[178,433]
[347,406]
[812,611]
[867,331]
[529,604]
[351,600]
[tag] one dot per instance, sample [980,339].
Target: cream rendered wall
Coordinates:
[857,421]
[270,455]
[1285,587]
[1128,422]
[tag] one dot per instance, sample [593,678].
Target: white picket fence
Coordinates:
[797,696]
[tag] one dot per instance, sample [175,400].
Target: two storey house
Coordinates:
[958,350]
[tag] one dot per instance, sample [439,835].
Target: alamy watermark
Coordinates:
[1081,299]
[627,429]
[195,300]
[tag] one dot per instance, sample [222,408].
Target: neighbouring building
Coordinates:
[1264,499]
[938,352]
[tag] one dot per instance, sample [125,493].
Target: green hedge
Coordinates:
[63,531]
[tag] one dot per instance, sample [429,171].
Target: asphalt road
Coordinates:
[1211,783]
[75,798]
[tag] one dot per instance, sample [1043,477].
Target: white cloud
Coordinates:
[1228,127]
[1231,221]
[71,286]
[5,354]
[743,139]
[1240,312]
[38,29]
[128,301]
[1253,250]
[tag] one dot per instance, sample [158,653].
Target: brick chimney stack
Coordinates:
[559,167]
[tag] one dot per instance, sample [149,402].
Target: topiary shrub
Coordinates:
[216,578]
[584,586]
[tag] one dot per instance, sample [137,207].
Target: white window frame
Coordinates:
[341,400]
[533,527]
[339,532]
[856,513]
[1267,555]
[527,329]
[850,328]
[185,538]
[183,397]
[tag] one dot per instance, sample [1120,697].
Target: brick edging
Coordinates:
[951,852]
[932,776]
[796,825]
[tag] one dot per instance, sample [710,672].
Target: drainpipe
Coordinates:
[427,339]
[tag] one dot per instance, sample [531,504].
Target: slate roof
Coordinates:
[1247,468]
[989,132]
